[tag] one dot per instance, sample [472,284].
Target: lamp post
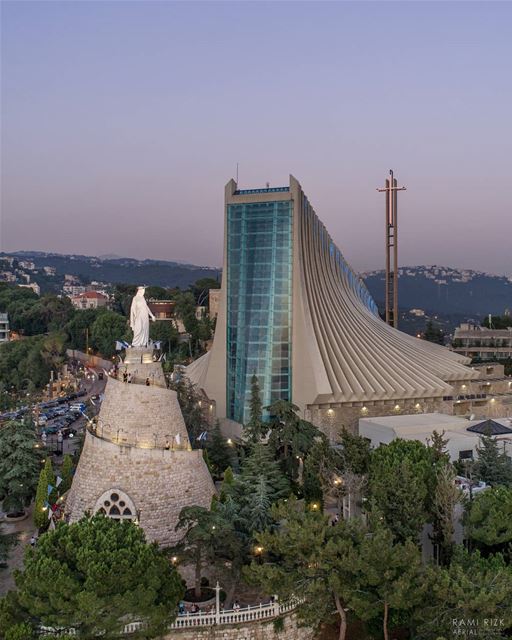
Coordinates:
[217,603]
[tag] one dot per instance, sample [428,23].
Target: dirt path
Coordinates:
[24,530]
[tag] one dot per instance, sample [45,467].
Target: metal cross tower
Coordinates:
[391,190]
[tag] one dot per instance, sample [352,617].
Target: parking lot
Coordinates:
[59,422]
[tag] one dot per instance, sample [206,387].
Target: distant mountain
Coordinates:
[116,269]
[446,291]
[443,291]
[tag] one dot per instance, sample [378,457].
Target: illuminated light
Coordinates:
[314,506]
[417,405]
[493,399]
[258,550]
[174,559]
[213,527]
[364,409]
[330,412]
[230,441]
[397,407]
[337,481]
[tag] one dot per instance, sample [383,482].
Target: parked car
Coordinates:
[77,407]
[50,429]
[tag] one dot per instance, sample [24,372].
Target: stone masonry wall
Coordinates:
[159,482]
[332,419]
[140,415]
[253,631]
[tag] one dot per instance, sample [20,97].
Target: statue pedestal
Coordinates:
[139,355]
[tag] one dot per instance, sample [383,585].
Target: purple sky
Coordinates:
[122,121]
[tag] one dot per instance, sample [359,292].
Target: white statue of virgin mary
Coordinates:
[139,319]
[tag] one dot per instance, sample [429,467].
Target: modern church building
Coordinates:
[294,313]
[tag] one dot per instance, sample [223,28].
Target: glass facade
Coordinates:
[259,303]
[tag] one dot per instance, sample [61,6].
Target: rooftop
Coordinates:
[420,426]
[490,428]
[92,294]
[243,192]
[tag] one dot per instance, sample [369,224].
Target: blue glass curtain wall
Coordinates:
[259,303]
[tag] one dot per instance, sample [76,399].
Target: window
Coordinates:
[467,454]
[116,504]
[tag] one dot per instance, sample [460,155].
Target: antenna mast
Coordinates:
[391,188]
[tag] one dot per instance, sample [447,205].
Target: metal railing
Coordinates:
[251,613]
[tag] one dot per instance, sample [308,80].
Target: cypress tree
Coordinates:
[46,477]
[254,428]
[66,473]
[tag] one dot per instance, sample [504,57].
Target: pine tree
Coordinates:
[399,483]
[95,576]
[255,427]
[19,464]
[471,588]
[66,473]
[489,520]
[219,451]
[46,478]
[262,464]
[493,466]
[260,501]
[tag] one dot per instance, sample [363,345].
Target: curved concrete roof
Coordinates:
[364,358]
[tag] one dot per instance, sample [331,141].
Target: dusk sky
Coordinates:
[122,121]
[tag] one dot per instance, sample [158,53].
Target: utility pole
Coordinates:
[391,188]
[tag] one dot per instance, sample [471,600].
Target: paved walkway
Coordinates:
[24,530]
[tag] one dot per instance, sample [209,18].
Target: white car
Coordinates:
[465,484]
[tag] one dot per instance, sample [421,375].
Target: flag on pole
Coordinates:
[177,437]
[59,480]
[202,436]
[50,489]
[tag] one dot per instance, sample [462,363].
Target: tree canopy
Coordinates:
[95,576]
[492,465]
[401,480]
[489,519]
[19,465]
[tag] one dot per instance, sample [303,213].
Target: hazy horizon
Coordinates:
[121,123]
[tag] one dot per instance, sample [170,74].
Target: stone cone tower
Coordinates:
[137,462]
